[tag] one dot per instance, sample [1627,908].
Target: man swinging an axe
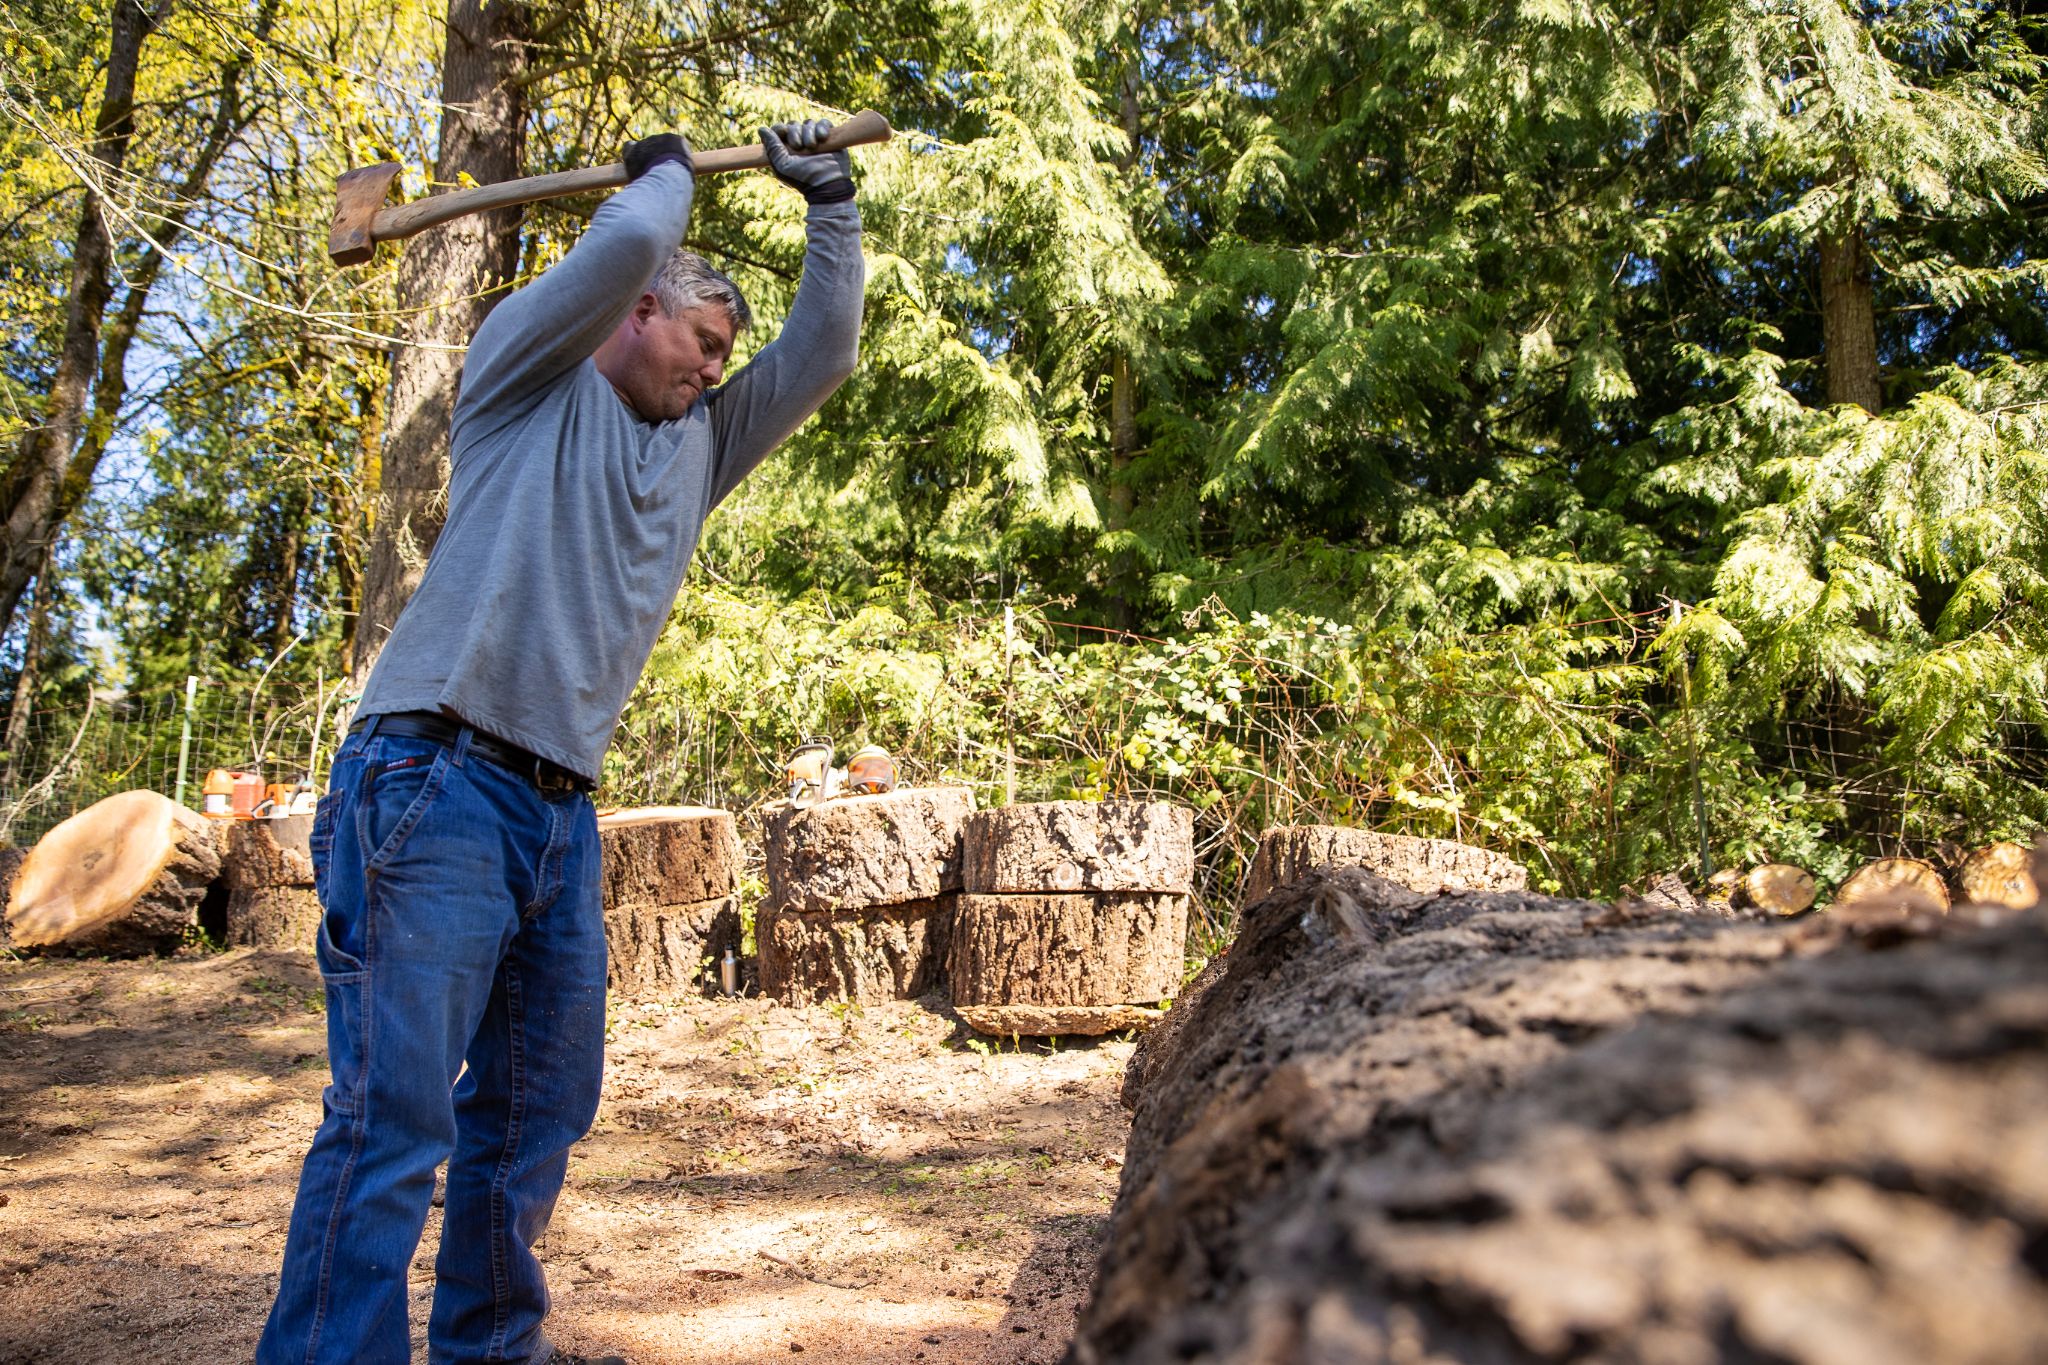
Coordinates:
[456,852]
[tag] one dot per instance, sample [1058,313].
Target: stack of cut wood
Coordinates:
[268,869]
[122,877]
[671,896]
[861,894]
[1073,917]
[1289,852]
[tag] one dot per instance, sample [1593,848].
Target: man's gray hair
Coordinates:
[688,280]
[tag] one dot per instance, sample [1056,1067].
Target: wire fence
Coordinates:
[1564,745]
[62,759]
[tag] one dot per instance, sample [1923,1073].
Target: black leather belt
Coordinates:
[544,774]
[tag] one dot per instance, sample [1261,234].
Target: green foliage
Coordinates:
[1480,480]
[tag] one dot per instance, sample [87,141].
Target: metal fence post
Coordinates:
[185,739]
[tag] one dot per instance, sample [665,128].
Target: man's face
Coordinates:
[667,363]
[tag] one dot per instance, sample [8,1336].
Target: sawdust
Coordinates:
[847,1185]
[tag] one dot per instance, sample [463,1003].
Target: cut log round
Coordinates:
[2001,874]
[264,853]
[1079,846]
[860,851]
[894,952]
[1068,948]
[1908,882]
[669,855]
[122,877]
[661,950]
[1289,852]
[1049,1021]
[1777,889]
[273,917]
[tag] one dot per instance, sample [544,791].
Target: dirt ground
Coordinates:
[848,1185]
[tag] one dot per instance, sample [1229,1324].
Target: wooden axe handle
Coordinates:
[351,242]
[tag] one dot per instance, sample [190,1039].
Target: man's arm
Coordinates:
[557,322]
[793,375]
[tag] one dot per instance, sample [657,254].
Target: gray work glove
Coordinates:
[822,177]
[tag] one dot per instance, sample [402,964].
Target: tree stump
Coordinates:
[667,950]
[268,868]
[876,953]
[122,877]
[1289,852]
[2000,874]
[1906,882]
[1493,1126]
[861,891]
[669,855]
[1068,948]
[898,848]
[1079,846]
[1777,889]
[671,880]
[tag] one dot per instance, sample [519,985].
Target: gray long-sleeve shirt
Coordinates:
[570,520]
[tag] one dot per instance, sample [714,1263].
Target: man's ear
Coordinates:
[646,308]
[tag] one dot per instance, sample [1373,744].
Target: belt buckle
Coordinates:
[552,778]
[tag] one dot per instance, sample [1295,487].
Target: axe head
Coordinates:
[357,197]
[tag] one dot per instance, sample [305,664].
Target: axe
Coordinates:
[361,220]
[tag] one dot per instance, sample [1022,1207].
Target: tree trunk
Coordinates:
[1848,321]
[1123,400]
[34,477]
[449,280]
[31,660]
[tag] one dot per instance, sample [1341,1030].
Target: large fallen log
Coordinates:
[1389,1126]
[1291,851]
[122,877]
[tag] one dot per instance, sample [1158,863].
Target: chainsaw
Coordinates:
[812,778]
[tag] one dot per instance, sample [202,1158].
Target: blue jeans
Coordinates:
[464,924]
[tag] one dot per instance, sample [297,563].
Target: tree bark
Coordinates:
[31,674]
[449,280]
[1123,397]
[34,479]
[1848,321]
